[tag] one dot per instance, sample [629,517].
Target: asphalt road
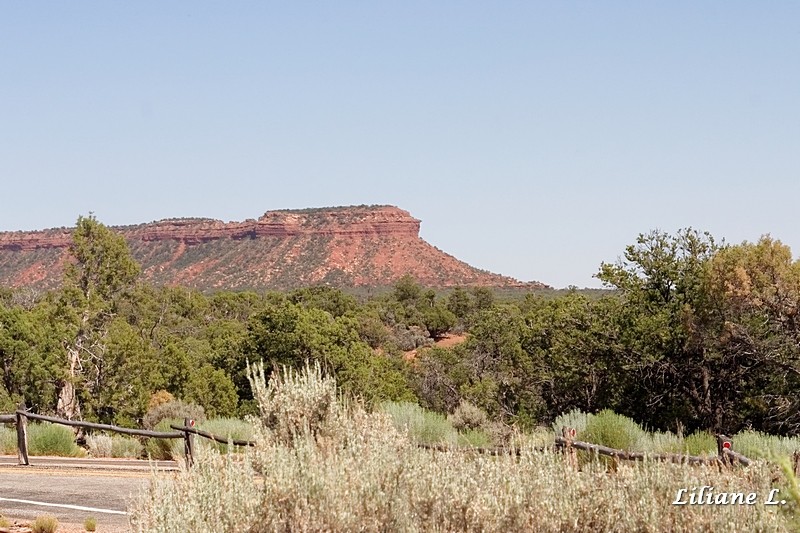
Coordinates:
[72,489]
[94,464]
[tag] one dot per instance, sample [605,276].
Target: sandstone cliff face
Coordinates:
[348,247]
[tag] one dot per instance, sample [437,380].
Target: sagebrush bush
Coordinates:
[700,443]
[103,445]
[468,416]
[660,442]
[369,476]
[758,445]
[126,447]
[99,445]
[45,524]
[615,431]
[575,419]
[174,410]
[295,403]
[422,426]
[52,439]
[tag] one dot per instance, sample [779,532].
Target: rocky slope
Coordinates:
[345,246]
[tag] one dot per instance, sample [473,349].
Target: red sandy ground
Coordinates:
[445,342]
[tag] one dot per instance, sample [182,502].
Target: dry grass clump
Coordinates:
[363,474]
[44,524]
[90,523]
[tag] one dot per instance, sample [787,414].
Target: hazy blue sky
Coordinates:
[533,139]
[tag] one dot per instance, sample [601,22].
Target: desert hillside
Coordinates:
[342,246]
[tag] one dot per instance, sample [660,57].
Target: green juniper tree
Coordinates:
[101,273]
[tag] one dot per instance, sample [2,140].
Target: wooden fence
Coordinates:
[566,443]
[185,432]
[725,454]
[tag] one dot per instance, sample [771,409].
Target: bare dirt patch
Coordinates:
[446,341]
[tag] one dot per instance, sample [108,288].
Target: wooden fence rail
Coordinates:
[565,443]
[211,436]
[475,449]
[185,432]
[725,454]
[105,427]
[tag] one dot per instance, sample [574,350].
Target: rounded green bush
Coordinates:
[615,431]
[423,426]
[700,443]
[52,439]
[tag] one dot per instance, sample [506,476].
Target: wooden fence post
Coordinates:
[796,459]
[22,435]
[724,444]
[188,441]
[572,456]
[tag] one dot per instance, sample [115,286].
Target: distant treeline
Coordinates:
[694,335]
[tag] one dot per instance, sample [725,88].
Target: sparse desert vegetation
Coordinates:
[347,387]
[324,464]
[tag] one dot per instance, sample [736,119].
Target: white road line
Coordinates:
[64,506]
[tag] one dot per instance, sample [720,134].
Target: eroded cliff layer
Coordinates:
[347,247]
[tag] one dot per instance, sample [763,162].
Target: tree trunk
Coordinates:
[68,404]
